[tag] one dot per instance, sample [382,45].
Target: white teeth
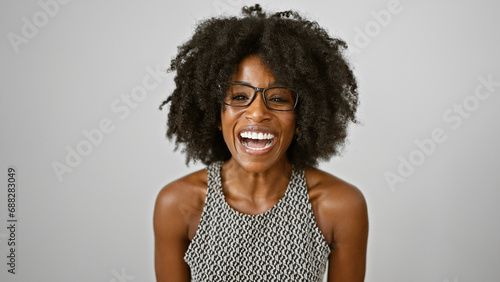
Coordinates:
[255,135]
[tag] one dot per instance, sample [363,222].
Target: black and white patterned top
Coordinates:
[282,244]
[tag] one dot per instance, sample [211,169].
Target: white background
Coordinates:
[438,222]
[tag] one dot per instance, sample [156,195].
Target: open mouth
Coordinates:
[256,140]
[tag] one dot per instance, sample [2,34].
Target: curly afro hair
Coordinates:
[299,53]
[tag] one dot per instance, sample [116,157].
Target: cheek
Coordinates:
[228,119]
[290,125]
[229,116]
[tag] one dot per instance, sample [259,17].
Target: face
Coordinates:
[256,136]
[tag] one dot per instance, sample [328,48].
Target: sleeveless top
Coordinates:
[281,244]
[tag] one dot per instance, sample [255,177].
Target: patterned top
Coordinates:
[281,244]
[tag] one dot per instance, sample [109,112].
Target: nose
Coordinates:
[257,110]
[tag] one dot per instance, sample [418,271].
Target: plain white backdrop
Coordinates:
[81,81]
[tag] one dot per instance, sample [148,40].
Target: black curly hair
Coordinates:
[299,53]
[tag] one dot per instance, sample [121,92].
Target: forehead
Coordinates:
[253,71]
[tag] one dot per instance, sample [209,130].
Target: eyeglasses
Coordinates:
[275,98]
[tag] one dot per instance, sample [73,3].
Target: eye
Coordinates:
[279,95]
[278,99]
[239,96]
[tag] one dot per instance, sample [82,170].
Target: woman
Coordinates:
[259,99]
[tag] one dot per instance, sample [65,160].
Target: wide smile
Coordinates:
[256,142]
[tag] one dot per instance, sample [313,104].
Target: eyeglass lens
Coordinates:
[277,98]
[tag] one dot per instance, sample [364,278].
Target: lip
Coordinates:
[256,129]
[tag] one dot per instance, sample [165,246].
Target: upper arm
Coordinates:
[350,233]
[171,239]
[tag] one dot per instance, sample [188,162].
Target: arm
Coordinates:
[350,233]
[171,237]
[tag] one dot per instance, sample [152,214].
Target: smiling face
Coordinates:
[256,136]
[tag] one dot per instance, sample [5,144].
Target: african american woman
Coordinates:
[260,99]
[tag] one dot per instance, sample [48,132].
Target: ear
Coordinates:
[219,127]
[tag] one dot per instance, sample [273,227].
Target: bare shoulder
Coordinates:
[189,185]
[183,199]
[328,188]
[334,202]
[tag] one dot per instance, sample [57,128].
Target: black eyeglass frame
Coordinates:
[263,90]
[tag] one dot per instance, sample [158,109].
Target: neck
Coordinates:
[253,186]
